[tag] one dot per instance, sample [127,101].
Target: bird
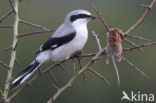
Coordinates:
[70,37]
[114,45]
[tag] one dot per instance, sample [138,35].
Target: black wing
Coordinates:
[55,42]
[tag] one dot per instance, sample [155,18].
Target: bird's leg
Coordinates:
[119,58]
[107,59]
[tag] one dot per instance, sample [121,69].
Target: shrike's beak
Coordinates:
[93,17]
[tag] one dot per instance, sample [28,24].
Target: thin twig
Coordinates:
[65,69]
[6,26]
[100,17]
[139,71]
[116,70]
[138,37]
[97,39]
[36,32]
[13,54]
[100,76]
[5,65]
[139,46]
[133,44]
[7,49]
[142,17]
[11,4]
[84,76]
[6,15]
[53,77]
[32,24]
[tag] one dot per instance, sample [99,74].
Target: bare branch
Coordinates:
[6,15]
[97,39]
[65,69]
[13,54]
[99,76]
[5,65]
[84,76]
[139,71]
[116,70]
[11,4]
[142,17]
[138,37]
[32,24]
[6,26]
[133,44]
[52,75]
[36,32]
[139,46]
[100,17]
[7,49]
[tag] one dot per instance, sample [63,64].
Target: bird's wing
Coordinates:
[55,42]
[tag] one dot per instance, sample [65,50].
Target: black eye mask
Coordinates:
[75,17]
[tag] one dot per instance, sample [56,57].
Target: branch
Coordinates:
[138,37]
[100,17]
[139,46]
[5,65]
[100,76]
[142,18]
[133,44]
[6,15]
[32,24]
[36,32]
[97,39]
[139,71]
[11,4]
[13,55]
[6,26]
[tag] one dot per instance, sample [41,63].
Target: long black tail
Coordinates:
[21,77]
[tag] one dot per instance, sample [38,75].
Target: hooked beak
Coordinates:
[93,17]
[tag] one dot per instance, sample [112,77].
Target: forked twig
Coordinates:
[133,44]
[139,71]
[6,15]
[139,46]
[11,4]
[97,39]
[142,18]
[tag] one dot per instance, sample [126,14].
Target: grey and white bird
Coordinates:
[69,38]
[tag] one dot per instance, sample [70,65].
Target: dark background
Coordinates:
[51,13]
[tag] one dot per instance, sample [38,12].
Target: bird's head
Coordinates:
[78,17]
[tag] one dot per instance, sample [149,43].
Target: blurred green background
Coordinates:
[51,13]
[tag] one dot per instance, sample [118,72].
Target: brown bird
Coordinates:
[114,46]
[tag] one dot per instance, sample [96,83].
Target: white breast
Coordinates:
[65,51]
